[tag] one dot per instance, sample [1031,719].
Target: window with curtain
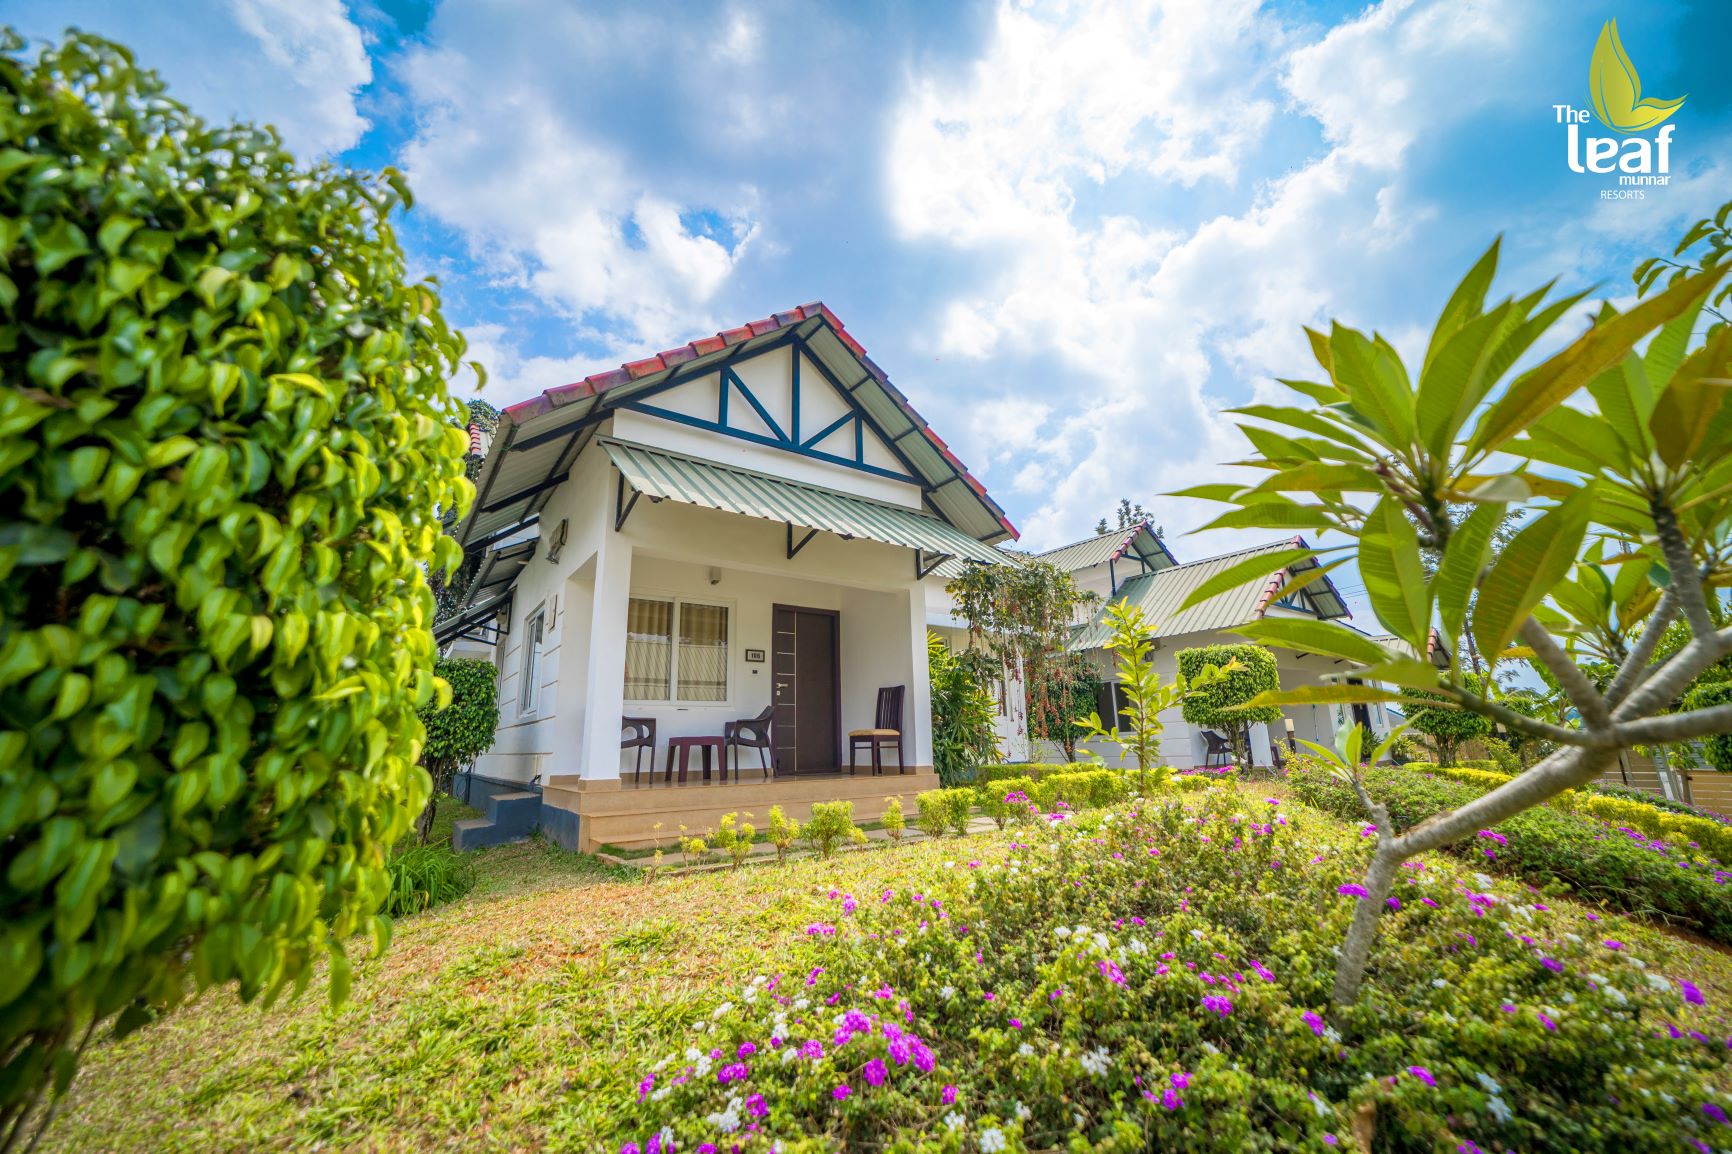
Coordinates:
[649,635]
[703,656]
[694,669]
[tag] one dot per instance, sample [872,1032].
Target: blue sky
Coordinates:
[1072,233]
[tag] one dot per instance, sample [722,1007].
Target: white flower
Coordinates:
[1659,983]
[1616,995]
[787,1054]
[954,1120]
[1062,931]
[1484,882]
[1439,983]
[1096,1061]
[802,1003]
[1102,941]
[992,1140]
[1198,934]
[722,1009]
[1137,946]
[1637,962]
[658,1095]
[693,1053]
[1023,1112]
[1025,1050]
[667,1137]
[1488,1082]
[947,992]
[1499,1109]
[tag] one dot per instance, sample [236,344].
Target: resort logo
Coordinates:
[1615,90]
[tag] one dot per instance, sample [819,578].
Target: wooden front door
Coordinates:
[805,685]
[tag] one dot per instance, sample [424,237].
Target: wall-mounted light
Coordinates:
[715,575]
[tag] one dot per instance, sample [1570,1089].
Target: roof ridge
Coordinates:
[1284,544]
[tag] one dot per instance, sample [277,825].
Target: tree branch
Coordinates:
[1675,675]
[1686,579]
[1635,664]
[1532,726]
[1570,677]
[1677,726]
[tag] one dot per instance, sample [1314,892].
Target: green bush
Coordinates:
[463,729]
[1220,704]
[425,876]
[893,820]
[225,442]
[932,813]
[1546,846]
[1446,725]
[1103,997]
[1705,696]
[963,712]
[831,824]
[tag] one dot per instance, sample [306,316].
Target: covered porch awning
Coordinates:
[664,476]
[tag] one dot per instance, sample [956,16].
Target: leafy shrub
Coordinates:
[733,839]
[1705,696]
[1546,846]
[424,876]
[1219,703]
[1081,992]
[1091,788]
[932,813]
[894,821]
[958,807]
[1446,725]
[831,824]
[696,849]
[225,438]
[784,832]
[963,712]
[458,730]
[991,800]
[1658,801]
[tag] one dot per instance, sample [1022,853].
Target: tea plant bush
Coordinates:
[1551,848]
[1156,977]
[225,443]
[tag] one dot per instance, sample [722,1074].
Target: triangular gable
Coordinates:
[781,399]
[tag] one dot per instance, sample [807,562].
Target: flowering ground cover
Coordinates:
[1622,867]
[1143,977]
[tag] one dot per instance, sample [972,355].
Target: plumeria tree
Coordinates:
[1620,462]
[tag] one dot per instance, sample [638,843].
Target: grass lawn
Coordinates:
[522,1016]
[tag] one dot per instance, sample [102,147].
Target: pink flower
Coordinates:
[840,1092]
[1423,1075]
[949,1095]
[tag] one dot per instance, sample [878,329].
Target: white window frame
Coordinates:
[529,668]
[679,601]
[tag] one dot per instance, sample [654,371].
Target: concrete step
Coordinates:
[510,817]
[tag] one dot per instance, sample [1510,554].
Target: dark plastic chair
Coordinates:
[1219,751]
[886,730]
[747,733]
[639,733]
[1276,760]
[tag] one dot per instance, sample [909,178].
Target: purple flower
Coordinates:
[1614,944]
[1423,1075]
[1715,1114]
[632,1147]
[1330,1139]
[875,1072]
[746,1050]
[1392,903]
[1353,890]
[756,1106]
[1315,1021]
[1170,1099]
[1692,994]
[1553,965]
[1546,1022]
[1112,972]
[1216,1004]
[1494,836]
[813,1049]
[840,1092]
[949,1095]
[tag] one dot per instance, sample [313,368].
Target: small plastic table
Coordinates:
[685,745]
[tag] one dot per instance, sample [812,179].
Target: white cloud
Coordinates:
[324,64]
[1162,325]
[296,64]
[510,151]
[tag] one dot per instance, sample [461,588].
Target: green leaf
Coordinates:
[1314,636]
[1261,567]
[1376,384]
[1407,671]
[1687,406]
[1273,515]
[1538,391]
[1465,303]
[1463,558]
[1539,557]
[1339,694]
[1454,380]
[1394,576]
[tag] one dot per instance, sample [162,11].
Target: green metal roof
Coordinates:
[1160,594]
[661,475]
[1137,542]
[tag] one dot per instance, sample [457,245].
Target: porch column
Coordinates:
[604,685]
[917,714]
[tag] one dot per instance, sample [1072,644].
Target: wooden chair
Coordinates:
[1219,751]
[747,733]
[886,730]
[639,733]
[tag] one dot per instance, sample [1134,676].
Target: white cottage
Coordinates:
[720,554]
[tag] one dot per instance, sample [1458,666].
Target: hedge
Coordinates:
[1547,846]
[226,440]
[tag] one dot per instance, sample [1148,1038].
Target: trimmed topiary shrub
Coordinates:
[462,730]
[1219,703]
[225,443]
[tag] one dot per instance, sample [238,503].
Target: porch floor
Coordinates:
[618,813]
